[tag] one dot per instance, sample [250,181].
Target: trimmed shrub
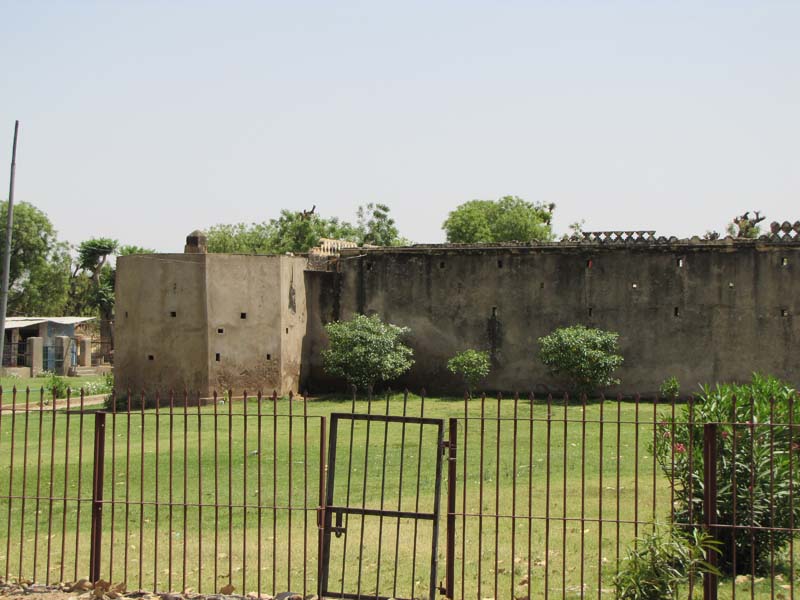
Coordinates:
[583,357]
[472,365]
[365,351]
[670,388]
[760,467]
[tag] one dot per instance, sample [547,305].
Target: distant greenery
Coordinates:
[365,351]
[585,358]
[509,219]
[300,231]
[472,365]
[40,264]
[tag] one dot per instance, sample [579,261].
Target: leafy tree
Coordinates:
[585,357]
[300,231]
[129,249]
[365,350]
[39,272]
[509,219]
[377,228]
[472,365]
[241,238]
[754,472]
[745,226]
[93,280]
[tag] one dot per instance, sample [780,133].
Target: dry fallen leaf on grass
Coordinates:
[227,589]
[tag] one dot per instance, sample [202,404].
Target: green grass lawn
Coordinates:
[35,385]
[200,502]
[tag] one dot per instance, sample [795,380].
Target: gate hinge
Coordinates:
[445,446]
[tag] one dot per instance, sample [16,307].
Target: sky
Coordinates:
[146,120]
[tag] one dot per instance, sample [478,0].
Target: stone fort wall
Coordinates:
[702,311]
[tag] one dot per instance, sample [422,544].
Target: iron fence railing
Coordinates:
[14,354]
[542,498]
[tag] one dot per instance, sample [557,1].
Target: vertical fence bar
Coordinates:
[514,491]
[259,500]
[583,494]
[80,482]
[399,493]
[50,487]
[199,494]
[530,494]
[547,498]
[565,443]
[24,478]
[710,502]
[497,497]
[600,503]
[95,551]
[113,487]
[734,419]
[38,486]
[244,496]
[450,564]
[323,469]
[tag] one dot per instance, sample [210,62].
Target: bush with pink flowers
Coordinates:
[758,467]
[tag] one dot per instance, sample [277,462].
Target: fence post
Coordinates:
[321,516]
[710,583]
[450,561]
[97,496]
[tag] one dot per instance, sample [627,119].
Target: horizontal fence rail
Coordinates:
[542,497]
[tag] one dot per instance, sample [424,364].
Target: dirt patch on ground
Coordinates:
[103,590]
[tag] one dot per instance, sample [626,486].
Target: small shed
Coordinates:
[19,330]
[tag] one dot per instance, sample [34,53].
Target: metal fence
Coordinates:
[540,498]
[14,354]
[102,353]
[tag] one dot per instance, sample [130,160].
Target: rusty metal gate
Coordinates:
[381,518]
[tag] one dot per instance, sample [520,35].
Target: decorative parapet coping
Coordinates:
[783,231]
[331,247]
[611,239]
[624,237]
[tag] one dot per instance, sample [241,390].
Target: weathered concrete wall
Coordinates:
[206,322]
[244,322]
[294,317]
[701,312]
[161,332]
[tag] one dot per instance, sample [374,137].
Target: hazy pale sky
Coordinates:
[146,120]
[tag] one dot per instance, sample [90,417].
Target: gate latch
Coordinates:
[338,529]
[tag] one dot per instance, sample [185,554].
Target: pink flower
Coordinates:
[725,435]
[679,448]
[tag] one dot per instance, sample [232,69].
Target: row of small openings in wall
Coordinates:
[221,330]
[680,263]
[218,356]
[676,311]
[173,314]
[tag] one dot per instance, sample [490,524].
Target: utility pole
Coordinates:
[7,255]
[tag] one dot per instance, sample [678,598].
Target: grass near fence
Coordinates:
[36,384]
[232,464]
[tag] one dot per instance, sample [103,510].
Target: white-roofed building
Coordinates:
[18,350]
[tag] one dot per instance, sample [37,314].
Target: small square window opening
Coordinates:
[243,316]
